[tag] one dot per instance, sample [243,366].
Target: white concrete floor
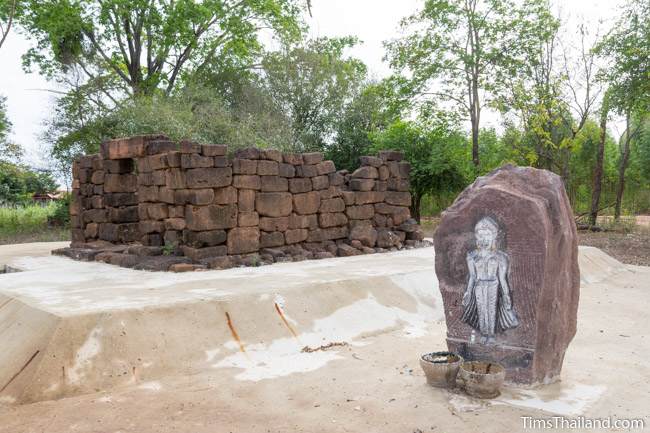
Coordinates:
[161,348]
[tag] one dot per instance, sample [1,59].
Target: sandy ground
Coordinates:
[374,384]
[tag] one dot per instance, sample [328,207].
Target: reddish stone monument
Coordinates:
[507,266]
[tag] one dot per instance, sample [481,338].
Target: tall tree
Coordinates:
[149,44]
[313,83]
[597,183]
[627,46]
[7,14]
[460,52]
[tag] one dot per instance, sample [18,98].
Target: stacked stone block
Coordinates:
[186,199]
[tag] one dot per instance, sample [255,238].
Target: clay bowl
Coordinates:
[441,368]
[481,379]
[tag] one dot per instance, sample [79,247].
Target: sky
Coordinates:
[30,97]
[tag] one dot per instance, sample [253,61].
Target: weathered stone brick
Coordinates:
[145,179]
[187,146]
[306,170]
[272,239]
[175,178]
[226,195]
[205,238]
[373,161]
[326,220]
[158,162]
[365,172]
[286,170]
[166,195]
[312,158]
[335,233]
[148,194]
[331,205]
[132,147]
[157,211]
[299,184]
[393,167]
[273,204]
[272,154]
[365,197]
[267,168]
[246,200]
[384,172]
[278,224]
[160,146]
[243,240]
[247,182]
[127,214]
[95,216]
[222,161]
[362,184]
[91,230]
[320,182]
[303,221]
[398,198]
[295,236]
[149,226]
[97,177]
[336,179]
[391,155]
[193,160]
[159,177]
[175,224]
[325,167]
[197,254]
[120,183]
[404,169]
[349,197]
[398,184]
[360,212]
[210,217]
[176,211]
[174,159]
[214,149]
[244,166]
[292,158]
[331,192]
[274,183]
[208,177]
[365,233]
[248,153]
[306,203]
[248,219]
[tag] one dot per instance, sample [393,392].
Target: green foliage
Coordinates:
[627,46]
[18,183]
[146,45]
[437,153]
[20,221]
[312,84]
[368,112]
[61,215]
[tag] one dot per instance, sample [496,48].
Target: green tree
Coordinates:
[463,51]
[313,83]
[8,10]
[18,183]
[145,45]
[368,112]
[436,152]
[627,46]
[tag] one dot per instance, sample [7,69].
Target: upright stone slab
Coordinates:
[507,266]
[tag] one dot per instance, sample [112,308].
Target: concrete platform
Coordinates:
[327,345]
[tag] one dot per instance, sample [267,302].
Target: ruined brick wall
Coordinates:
[204,204]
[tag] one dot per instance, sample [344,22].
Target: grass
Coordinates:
[29,224]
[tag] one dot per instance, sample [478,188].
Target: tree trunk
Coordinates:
[415,206]
[475,156]
[625,157]
[598,169]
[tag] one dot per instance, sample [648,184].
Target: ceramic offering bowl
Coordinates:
[441,368]
[481,379]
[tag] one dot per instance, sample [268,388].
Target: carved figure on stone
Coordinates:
[487,302]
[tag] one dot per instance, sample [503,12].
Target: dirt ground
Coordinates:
[629,244]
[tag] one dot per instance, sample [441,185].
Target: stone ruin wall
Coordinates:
[184,199]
